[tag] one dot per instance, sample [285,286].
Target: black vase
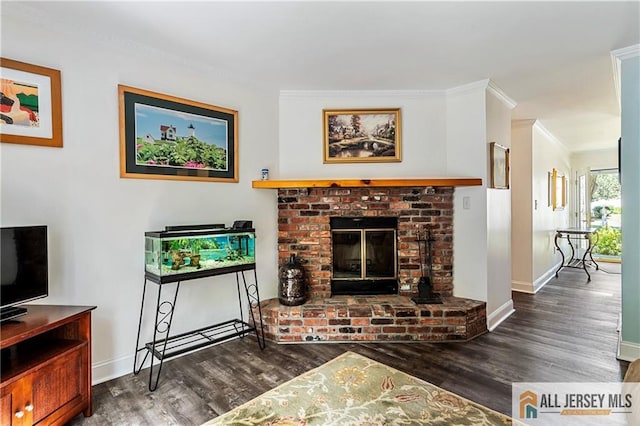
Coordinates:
[292,288]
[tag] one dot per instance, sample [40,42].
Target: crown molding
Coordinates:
[487,85]
[617,56]
[293,94]
[501,95]
[627,52]
[523,122]
[615,64]
[540,127]
[469,87]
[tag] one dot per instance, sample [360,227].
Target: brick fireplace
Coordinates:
[304,229]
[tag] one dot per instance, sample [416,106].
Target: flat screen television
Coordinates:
[24,272]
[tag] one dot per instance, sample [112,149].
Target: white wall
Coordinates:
[482,239]
[499,303]
[422,116]
[96,219]
[548,154]
[535,258]
[630,158]
[521,204]
[467,156]
[596,159]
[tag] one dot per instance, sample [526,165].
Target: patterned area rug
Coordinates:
[354,390]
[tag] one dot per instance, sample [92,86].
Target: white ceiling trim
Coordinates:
[291,94]
[617,56]
[615,64]
[501,95]
[540,127]
[469,87]
[627,52]
[524,122]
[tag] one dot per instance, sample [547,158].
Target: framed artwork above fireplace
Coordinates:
[361,136]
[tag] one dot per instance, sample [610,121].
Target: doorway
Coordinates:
[604,213]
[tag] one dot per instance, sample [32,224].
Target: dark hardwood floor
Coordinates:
[565,333]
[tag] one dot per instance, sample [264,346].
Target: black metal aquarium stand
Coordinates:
[163,346]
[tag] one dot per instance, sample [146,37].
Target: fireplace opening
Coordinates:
[364,255]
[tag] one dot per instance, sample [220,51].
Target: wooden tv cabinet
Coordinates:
[46,365]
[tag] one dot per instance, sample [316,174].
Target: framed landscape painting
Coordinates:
[365,135]
[30,104]
[165,137]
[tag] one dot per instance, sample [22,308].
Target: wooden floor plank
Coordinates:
[566,332]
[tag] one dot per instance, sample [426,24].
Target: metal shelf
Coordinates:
[203,337]
[164,346]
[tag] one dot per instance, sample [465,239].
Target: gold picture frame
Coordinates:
[499,160]
[166,137]
[558,191]
[32,104]
[362,135]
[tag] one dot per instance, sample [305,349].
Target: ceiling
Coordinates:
[552,58]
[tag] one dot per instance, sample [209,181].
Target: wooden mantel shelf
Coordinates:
[362,183]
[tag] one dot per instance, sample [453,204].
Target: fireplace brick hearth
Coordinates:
[304,230]
[373,318]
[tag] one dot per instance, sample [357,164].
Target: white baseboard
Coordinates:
[522,287]
[536,286]
[107,370]
[545,278]
[628,351]
[112,369]
[496,317]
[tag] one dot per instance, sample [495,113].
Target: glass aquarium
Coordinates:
[181,253]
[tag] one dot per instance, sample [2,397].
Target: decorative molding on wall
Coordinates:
[627,52]
[523,123]
[617,56]
[496,317]
[489,86]
[540,127]
[501,95]
[535,123]
[403,94]
[615,64]
[476,85]
[486,84]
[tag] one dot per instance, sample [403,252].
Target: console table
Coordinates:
[577,234]
[46,365]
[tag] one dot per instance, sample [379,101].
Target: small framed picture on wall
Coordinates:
[499,160]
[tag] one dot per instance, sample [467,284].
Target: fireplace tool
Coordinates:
[425,285]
